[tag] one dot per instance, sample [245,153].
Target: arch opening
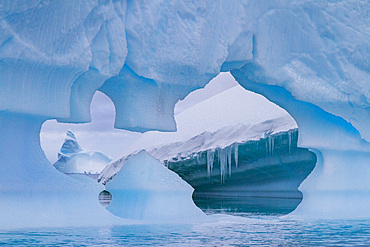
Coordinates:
[253,144]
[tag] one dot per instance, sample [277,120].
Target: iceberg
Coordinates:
[144,189]
[309,57]
[72,159]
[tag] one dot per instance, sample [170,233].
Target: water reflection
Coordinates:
[246,204]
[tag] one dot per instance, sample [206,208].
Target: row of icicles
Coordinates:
[224,159]
[225,156]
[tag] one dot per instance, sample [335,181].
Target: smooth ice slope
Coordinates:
[310,57]
[146,190]
[73,159]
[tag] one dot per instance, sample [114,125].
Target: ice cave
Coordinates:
[311,58]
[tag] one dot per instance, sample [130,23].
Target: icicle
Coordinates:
[199,155]
[210,159]
[220,164]
[229,150]
[271,144]
[222,158]
[236,154]
[289,140]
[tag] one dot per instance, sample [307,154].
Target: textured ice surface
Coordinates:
[73,159]
[172,48]
[65,52]
[144,189]
[310,57]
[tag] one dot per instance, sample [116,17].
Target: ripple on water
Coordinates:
[224,230]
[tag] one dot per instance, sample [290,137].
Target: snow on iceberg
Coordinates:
[72,159]
[144,189]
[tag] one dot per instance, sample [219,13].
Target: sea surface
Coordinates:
[223,230]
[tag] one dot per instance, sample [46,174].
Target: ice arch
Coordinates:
[309,57]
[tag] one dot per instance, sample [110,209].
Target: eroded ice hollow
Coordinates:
[309,57]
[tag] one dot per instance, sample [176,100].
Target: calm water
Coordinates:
[224,231]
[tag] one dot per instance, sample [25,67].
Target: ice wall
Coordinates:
[310,57]
[33,193]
